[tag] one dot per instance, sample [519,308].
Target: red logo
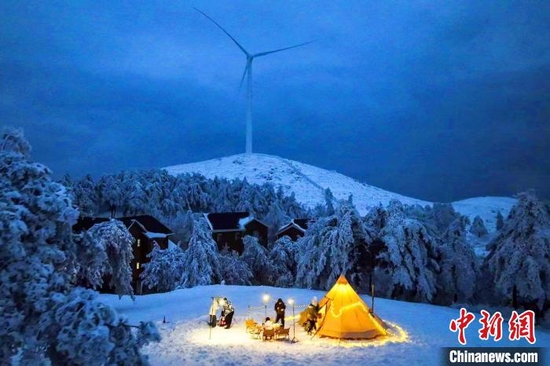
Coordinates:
[522,326]
[461,324]
[491,325]
[519,325]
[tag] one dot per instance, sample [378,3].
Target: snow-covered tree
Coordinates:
[197,197]
[459,267]
[329,202]
[85,195]
[406,265]
[117,242]
[40,325]
[275,219]
[478,227]
[443,214]
[255,256]
[91,259]
[202,262]
[88,332]
[182,227]
[283,260]
[164,270]
[519,258]
[331,247]
[500,221]
[110,193]
[435,218]
[234,270]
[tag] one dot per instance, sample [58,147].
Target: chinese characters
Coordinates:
[519,325]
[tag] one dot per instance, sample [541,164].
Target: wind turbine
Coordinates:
[248,75]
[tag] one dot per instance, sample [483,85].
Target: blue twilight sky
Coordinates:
[439,100]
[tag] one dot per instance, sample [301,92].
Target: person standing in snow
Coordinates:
[228,311]
[311,322]
[314,303]
[312,310]
[213,309]
[280,311]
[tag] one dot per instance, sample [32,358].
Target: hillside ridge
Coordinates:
[308,183]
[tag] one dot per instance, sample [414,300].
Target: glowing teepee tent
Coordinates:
[345,315]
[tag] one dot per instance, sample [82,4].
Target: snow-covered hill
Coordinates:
[486,207]
[309,182]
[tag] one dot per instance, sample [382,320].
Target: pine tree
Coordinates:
[331,247]
[329,200]
[202,263]
[443,214]
[88,332]
[275,219]
[86,196]
[117,243]
[255,256]
[283,260]
[500,221]
[110,192]
[459,267]
[519,258]
[478,227]
[165,268]
[91,259]
[407,267]
[234,270]
[45,320]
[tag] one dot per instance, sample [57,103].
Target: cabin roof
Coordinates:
[299,224]
[229,221]
[147,224]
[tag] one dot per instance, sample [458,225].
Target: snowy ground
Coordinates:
[186,338]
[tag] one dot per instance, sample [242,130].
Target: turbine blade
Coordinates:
[246,70]
[229,35]
[280,49]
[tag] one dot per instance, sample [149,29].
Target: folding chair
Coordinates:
[283,333]
[269,333]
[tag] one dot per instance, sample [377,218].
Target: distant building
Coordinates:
[229,228]
[295,229]
[145,229]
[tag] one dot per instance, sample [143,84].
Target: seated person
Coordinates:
[268,325]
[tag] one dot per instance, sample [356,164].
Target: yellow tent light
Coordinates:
[350,307]
[396,334]
[346,316]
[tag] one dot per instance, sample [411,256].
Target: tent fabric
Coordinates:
[345,314]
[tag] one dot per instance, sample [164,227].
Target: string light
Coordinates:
[348,307]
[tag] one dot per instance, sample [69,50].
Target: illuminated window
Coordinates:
[137,265]
[139,242]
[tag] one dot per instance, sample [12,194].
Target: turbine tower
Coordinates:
[248,75]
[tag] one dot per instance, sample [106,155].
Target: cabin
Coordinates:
[295,229]
[145,229]
[229,229]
